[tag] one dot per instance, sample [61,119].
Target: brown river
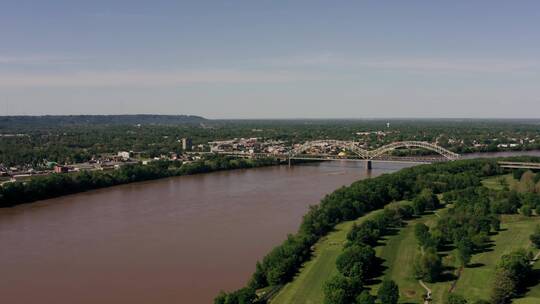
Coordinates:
[175,240]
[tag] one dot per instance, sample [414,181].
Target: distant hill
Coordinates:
[65,120]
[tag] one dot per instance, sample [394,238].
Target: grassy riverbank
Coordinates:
[307,286]
[399,251]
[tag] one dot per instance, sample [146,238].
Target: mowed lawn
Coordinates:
[494,182]
[475,282]
[399,252]
[307,286]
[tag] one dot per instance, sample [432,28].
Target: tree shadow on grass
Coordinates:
[532,280]
[487,247]
[446,247]
[392,231]
[447,274]
[475,265]
[377,273]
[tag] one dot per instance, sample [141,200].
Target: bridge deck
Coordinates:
[519,165]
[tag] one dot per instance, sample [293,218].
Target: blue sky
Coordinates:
[271,59]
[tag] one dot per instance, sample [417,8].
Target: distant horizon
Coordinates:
[283,118]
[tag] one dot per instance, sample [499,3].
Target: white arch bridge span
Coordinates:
[329,149]
[373,154]
[352,151]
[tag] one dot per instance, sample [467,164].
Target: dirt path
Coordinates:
[428,291]
[536,257]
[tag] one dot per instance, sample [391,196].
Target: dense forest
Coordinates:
[48,121]
[54,185]
[32,141]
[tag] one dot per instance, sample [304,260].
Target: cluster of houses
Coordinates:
[248,146]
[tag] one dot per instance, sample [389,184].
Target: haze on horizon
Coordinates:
[270,59]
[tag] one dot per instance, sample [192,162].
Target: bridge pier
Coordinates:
[368,165]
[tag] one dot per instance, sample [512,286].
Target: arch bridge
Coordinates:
[368,155]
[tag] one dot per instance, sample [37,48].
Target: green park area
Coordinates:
[399,249]
[307,287]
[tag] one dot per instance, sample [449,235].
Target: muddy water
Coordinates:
[176,240]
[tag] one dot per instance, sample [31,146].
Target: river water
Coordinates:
[175,240]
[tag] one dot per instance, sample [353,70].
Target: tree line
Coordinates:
[358,264]
[54,185]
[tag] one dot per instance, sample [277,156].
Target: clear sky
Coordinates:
[271,59]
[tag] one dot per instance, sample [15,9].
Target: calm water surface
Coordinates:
[176,240]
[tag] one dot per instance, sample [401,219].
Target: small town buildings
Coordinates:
[187,144]
[124,155]
[60,169]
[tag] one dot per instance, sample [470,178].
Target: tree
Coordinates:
[514,199]
[495,223]
[535,237]
[428,266]
[258,280]
[389,292]
[421,231]
[464,251]
[356,261]
[517,265]
[456,299]
[341,290]
[518,173]
[365,298]
[527,183]
[418,206]
[526,210]
[221,298]
[503,288]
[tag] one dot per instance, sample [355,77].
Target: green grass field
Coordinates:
[475,282]
[398,252]
[307,287]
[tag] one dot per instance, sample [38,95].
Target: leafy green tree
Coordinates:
[526,210]
[495,223]
[258,280]
[504,288]
[517,265]
[356,261]
[535,237]
[221,298]
[456,299]
[388,293]
[518,173]
[365,298]
[341,290]
[419,207]
[464,251]
[421,231]
[428,266]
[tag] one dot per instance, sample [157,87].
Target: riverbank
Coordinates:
[281,265]
[55,185]
[179,239]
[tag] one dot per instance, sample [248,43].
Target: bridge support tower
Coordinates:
[369,164]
